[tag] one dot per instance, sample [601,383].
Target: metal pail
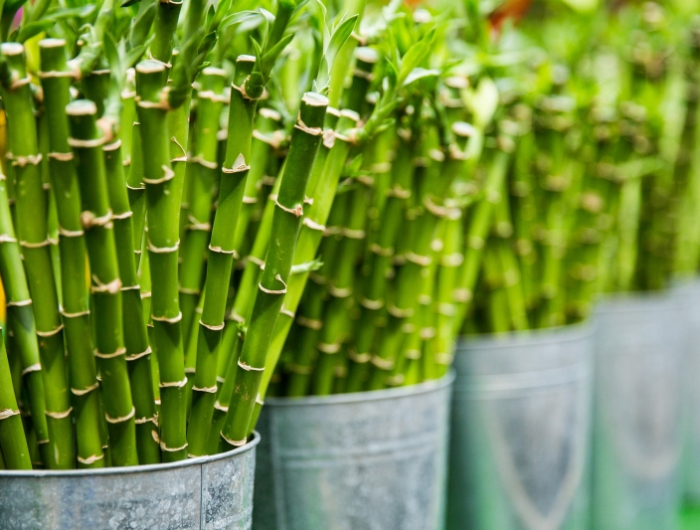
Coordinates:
[638,427]
[521,423]
[363,461]
[213,492]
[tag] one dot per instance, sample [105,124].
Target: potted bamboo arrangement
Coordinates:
[132,171]
[640,336]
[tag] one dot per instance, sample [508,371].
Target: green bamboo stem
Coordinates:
[138,350]
[323,181]
[221,254]
[21,328]
[97,220]
[373,300]
[163,197]
[33,239]
[56,78]
[306,138]
[205,170]
[13,443]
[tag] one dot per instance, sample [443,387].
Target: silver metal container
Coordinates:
[688,292]
[521,424]
[214,492]
[365,461]
[638,428]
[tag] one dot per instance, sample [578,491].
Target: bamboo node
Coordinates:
[444,358]
[19,303]
[382,364]
[50,333]
[4,238]
[274,291]
[476,242]
[287,312]
[27,244]
[427,333]
[112,146]
[168,174]
[238,166]
[250,200]
[447,309]
[167,449]
[313,225]
[90,143]
[299,369]
[213,327]
[163,250]
[55,74]
[381,251]
[249,368]
[173,384]
[59,415]
[8,413]
[257,261]
[135,356]
[436,209]
[120,351]
[83,391]
[399,313]
[123,215]
[89,220]
[423,261]
[19,83]
[36,367]
[372,305]
[220,407]
[190,370]
[413,355]
[112,287]
[90,459]
[452,260]
[187,290]
[328,138]
[260,401]
[312,131]
[220,380]
[130,288]
[220,250]
[425,299]
[339,292]
[207,389]
[205,163]
[297,210]
[395,380]
[310,323]
[330,349]
[353,234]
[359,358]
[70,233]
[407,328]
[61,157]
[462,295]
[234,443]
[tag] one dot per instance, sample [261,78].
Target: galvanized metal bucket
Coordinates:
[688,293]
[521,423]
[214,492]
[365,461]
[638,427]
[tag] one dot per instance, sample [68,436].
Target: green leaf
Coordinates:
[129,3]
[112,53]
[142,26]
[135,53]
[270,57]
[32,29]
[338,39]
[415,55]
[71,12]
[420,73]
[484,102]
[243,17]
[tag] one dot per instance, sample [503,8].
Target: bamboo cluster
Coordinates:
[204,204]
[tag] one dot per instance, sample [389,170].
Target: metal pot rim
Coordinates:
[43,473]
[558,334]
[632,302]
[368,396]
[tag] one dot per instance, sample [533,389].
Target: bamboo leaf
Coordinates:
[420,73]
[142,26]
[338,39]
[415,55]
[32,29]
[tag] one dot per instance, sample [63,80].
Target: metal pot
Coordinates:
[213,492]
[640,353]
[520,451]
[364,461]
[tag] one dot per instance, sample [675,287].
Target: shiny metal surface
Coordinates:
[521,423]
[365,461]
[688,292]
[640,353]
[213,492]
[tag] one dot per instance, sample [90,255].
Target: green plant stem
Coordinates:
[14,450]
[105,284]
[34,241]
